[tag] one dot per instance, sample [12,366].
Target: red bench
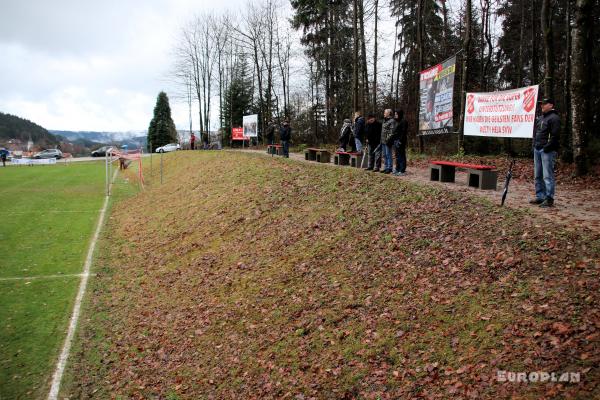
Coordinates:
[275,149]
[345,158]
[484,177]
[318,155]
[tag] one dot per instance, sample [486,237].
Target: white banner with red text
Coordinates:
[505,114]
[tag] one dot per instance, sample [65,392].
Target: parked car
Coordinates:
[101,152]
[50,153]
[168,147]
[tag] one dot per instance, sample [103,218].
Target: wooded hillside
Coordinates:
[13,127]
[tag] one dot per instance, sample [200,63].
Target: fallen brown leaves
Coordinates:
[285,280]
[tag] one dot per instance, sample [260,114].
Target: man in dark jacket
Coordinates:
[373,135]
[285,134]
[271,132]
[359,130]
[545,147]
[400,141]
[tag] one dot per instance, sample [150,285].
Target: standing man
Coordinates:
[373,134]
[359,130]
[400,141]
[3,156]
[285,134]
[387,132]
[192,141]
[545,146]
[271,132]
[346,136]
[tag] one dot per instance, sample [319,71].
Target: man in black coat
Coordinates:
[285,134]
[400,141]
[271,132]
[545,147]
[373,135]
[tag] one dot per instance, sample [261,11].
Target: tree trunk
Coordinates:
[464,80]
[355,57]
[364,98]
[519,77]
[580,83]
[566,139]
[374,107]
[549,61]
[421,53]
[446,27]
[535,62]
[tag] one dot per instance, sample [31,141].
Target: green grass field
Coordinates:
[48,216]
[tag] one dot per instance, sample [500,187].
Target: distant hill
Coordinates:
[13,127]
[99,137]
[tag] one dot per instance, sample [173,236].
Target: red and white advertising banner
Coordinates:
[506,114]
[238,134]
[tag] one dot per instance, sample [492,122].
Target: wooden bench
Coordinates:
[345,158]
[275,149]
[484,177]
[318,155]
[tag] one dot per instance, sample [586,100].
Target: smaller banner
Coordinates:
[237,134]
[250,123]
[506,114]
[436,89]
[32,161]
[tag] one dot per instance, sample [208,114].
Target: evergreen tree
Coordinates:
[327,27]
[162,128]
[238,98]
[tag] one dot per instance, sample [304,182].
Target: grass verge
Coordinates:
[244,276]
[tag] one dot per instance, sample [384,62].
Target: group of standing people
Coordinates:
[285,134]
[383,140]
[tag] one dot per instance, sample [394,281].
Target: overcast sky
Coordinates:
[93,65]
[90,65]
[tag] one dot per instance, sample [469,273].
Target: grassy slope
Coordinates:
[35,241]
[251,277]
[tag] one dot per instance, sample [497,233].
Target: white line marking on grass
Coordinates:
[64,354]
[28,278]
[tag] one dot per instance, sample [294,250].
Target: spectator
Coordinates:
[387,131]
[400,141]
[3,156]
[346,135]
[192,141]
[373,135]
[545,146]
[271,132]
[285,134]
[359,130]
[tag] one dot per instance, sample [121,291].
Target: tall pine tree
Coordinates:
[162,128]
[326,31]
[238,98]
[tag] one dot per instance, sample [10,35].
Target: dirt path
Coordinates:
[573,208]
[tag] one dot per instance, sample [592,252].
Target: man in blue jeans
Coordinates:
[387,132]
[545,146]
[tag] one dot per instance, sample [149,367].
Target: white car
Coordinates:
[168,147]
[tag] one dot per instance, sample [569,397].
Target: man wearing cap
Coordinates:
[545,146]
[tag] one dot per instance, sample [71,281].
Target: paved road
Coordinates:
[79,159]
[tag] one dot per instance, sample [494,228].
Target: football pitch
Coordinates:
[48,217]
